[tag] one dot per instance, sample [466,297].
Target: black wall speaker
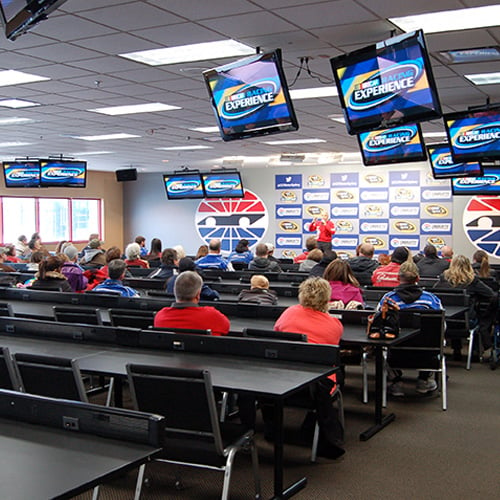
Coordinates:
[127,174]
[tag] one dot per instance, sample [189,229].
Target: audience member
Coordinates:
[98,275]
[270,252]
[313,258]
[72,271]
[389,275]
[181,253]
[241,252]
[259,292]
[461,275]
[345,289]
[168,265]
[114,284]
[49,276]
[133,254]
[92,236]
[481,266]
[35,259]
[447,253]
[261,261]
[383,259]
[311,244]
[214,260]
[186,312]
[154,254]
[430,264]
[187,264]
[11,255]
[363,264]
[201,252]
[311,317]
[22,249]
[94,255]
[408,295]
[61,246]
[3,258]
[141,241]
[319,269]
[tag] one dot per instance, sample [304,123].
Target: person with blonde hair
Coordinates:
[345,288]
[259,292]
[461,275]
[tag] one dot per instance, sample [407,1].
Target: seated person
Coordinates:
[72,271]
[3,258]
[241,252]
[94,255]
[49,276]
[481,266]
[346,292]
[133,254]
[364,264]
[259,292]
[319,269]
[261,262]
[311,244]
[154,255]
[389,275]
[187,264]
[214,260]
[168,265]
[430,264]
[313,258]
[185,312]
[116,271]
[408,295]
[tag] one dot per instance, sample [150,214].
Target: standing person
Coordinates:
[326,228]
[72,271]
[49,276]
[116,270]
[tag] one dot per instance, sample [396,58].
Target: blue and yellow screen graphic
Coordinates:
[444,166]
[487,184]
[21,174]
[183,186]
[63,173]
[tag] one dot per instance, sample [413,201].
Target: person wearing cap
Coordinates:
[72,271]
[94,256]
[389,275]
[259,292]
[241,252]
[3,259]
[92,236]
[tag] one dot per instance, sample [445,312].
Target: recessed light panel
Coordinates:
[479,54]
[294,141]
[484,78]
[151,107]
[104,137]
[12,77]
[17,103]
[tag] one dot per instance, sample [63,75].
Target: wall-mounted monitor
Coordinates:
[181,186]
[21,173]
[63,173]
[223,185]
[387,84]
[474,135]
[443,166]
[250,97]
[487,184]
[392,145]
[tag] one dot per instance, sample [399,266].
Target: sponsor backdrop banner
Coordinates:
[386,209]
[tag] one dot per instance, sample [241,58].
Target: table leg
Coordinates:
[118,392]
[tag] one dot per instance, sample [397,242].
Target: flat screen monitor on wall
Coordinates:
[487,184]
[22,174]
[474,135]
[223,185]
[63,173]
[387,84]
[182,186]
[250,97]
[392,145]
[443,166]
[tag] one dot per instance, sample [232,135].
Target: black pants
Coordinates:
[324,245]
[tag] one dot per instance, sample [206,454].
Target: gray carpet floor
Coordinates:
[425,453]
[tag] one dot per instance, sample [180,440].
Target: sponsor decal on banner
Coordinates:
[374,227]
[404,178]
[290,196]
[377,241]
[412,243]
[373,210]
[284,211]
[436,210]
[339,242]
[404,226]
[405,210]
[344,195]
[344,180]
[344,226]
[285,240]
[288,181]
[314,211]
[345,211]
[437,241]
[481,222]
[316,195]
[289,254]
[436,227]
[374,195]
[289,226]
[436,194]
[373,180]
[315,181]
[403,194]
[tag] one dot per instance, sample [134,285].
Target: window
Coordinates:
[56,219]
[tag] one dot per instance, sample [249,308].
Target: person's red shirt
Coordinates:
[326,229]
[300,258]
[137,263]
[386,275]
[189,315]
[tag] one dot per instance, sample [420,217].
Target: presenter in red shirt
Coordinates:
[326,228]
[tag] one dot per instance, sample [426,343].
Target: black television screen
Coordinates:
[23,174]
[474,135]
[250,97]
[19,16]
[181,186]
[392,145]
[63,173]
[223,185]
[386,84]
[487,184]
[443,166]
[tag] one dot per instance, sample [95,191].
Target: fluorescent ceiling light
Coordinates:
[314,92]
[14,121]
[205,130]
[450,20]
[484,78]
[294,141]
[88,153]
[12,77]
[104,137]
[337,118]
[134,108]
[17,103]
[478,54]
[434,134]
[14,144]
[185,148]
[190,53]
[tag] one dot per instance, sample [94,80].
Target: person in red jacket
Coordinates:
[326,229]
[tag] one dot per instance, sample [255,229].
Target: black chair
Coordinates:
[194,436]
[74,314]
[239,266]
[6,309]
[180,330]
[271,334]
[133,318]
[8,376]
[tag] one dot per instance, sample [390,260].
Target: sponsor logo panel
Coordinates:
[288,181]
[285,211]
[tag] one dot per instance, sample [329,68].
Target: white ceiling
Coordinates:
[77,49]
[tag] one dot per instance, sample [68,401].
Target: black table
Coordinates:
[43,462]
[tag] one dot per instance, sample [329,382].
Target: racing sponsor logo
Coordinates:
[404,226]
[389,139]
[373,211]
[288,196]
[344,180]
[64,172]
[374,227]
[184,186]
[345,242]
[477,136]
[436,227]
[374,195]
[342,194]
[404,242]
[373,179]
[288,254]
[316,195]
[344,226]
[436,241]
[315,211]
[21,174]
[404,178]
[436,194]
[375,241]
[345,211]
[385,85]
[289,226]
[436,210]
[289,211]
[288,241]
[485,180]
[315,180]
[409,210]
[342,254]
[403,194]
[221,186]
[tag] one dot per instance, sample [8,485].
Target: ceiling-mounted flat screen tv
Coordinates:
[63,173]
[250,97]
[21,173]
[19,16]
[182,186]
[474,135]
[487,184]
[392,145]
[223,185]
[387,84]
[443,166]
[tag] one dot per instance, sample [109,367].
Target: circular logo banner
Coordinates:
[481,221]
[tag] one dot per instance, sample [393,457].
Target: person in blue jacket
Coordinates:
[241,252]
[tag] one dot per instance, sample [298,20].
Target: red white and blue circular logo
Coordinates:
[231,219]
[481,222]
